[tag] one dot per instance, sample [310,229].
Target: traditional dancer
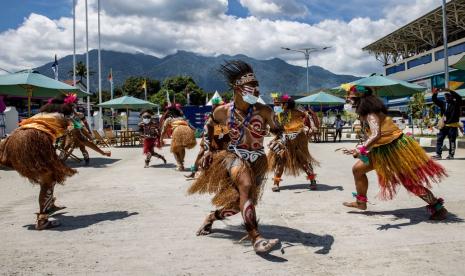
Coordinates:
[397,158]
[149,129]
[219,142]
[183,136]
[298,127]
[30,151]
[79,137]
[235,176]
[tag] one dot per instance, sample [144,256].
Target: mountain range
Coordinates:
[273,74]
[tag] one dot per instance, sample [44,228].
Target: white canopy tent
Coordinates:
[216,95]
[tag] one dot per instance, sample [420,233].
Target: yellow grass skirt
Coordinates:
[183,137]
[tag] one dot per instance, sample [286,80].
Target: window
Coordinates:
[453,50]
[395,69]
[419,61]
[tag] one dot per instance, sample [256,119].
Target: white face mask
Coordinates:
[247,94]
[146,120]
[278,109]
[349,107]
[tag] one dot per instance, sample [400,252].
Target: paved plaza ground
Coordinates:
[123,219]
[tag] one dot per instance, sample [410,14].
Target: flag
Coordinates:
[110,76]
[144,85]
[55,68]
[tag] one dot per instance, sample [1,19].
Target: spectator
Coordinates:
[449,123]
[338,124]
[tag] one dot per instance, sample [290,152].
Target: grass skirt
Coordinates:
[295,157]
[217,181]
[32,154]
[183,137]
[404,162]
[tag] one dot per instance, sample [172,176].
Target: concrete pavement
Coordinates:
[123,219]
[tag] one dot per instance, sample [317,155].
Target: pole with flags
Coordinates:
[168,97]
[55,67]
[110,79]
[74,42]
[87,64]
[100,109]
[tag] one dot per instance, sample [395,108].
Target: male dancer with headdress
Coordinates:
[298,127]
[149,129]
[79,137]
[397,158]
[219,142]
[183,136]
[30,151]
[235,176]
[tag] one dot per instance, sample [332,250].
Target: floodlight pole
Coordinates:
[74,42]
[446,54]
[306,52]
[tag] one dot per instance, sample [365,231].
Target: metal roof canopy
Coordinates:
[420,35]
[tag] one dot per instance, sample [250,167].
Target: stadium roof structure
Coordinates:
[420,35]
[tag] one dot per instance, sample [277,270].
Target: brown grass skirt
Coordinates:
[183,137]
[217,181]
[295,156]
[32,154]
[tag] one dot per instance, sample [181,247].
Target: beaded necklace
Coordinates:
[242,125]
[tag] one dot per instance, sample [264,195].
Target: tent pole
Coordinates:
[29,96]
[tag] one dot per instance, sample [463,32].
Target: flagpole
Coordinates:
[87,65]
[100,110]
[446,54]
[74,42]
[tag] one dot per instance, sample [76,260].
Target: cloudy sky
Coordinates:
[33,31]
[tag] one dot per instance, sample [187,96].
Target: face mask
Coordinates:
[146,120]
[349,107]
[250,99]
[278,109]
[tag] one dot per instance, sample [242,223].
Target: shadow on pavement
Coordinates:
[166,166]
[95,162]
[69,223]
[289,237]
[320,187]
[414,215]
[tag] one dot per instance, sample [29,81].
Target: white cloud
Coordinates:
[275,8]
[160,27]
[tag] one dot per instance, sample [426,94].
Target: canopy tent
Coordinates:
[321,98]
[216,95]
[386,87]
[127,102]
[260,100]
[459,64]
[30,83]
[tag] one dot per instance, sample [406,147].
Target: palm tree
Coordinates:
[81,71]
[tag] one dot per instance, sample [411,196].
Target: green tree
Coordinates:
[183,85]
[416,108]
[133,86]
[81,71]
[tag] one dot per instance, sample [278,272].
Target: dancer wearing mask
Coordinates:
[30,151]
[296,157]
[397,158]
[149,129]
[235,176]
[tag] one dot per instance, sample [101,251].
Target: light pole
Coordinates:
[307,52]
[446,54]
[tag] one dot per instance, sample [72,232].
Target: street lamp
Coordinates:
[306,52]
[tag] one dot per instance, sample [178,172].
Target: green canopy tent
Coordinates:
[128,102]
[388,87]
[459,64]
[29,83]
[321,98]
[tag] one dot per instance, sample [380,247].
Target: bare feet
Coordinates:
[275,188]
[313,186]
[108,153]
[205,229]
[262,245]
[356,204]
[440,214]
[43,222]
